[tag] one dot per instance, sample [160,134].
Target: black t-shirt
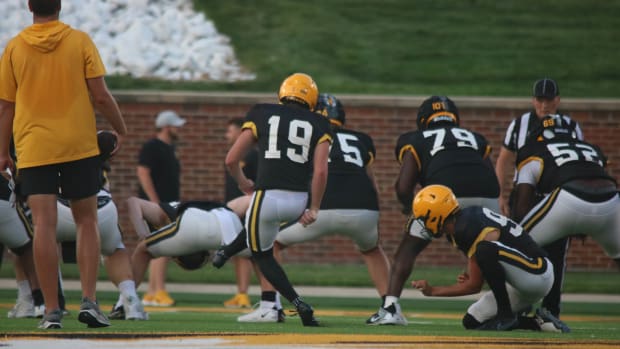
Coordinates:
[286,138]
[249,165]
[451,156]
[161,159]
[348,183]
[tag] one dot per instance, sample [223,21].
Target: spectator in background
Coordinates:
[159,172]
[243,265]
[50,77]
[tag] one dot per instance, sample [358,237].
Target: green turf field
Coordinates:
[203,314]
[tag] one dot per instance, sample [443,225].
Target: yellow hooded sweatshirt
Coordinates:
[43,70]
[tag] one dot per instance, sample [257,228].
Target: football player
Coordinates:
[293,148]
[580,197]
[439,152]
[200,226]
[499,252]
[16,234]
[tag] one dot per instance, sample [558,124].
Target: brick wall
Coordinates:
[202,150]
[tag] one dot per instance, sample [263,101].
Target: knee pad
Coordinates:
[470,323]
[486,251]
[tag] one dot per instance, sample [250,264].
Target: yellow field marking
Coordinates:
[282,341]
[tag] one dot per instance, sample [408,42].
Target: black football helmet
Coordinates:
[192,261]
[330,107]
[437,110]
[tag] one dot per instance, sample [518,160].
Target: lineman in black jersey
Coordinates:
[439,152]
[580,197]
[293,144]
[498,251]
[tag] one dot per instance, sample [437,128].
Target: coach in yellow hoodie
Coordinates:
[51,81]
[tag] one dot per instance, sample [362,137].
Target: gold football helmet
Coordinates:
[433,204]
[300,88]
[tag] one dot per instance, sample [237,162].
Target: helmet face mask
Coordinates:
[330,107]
[299,88]
[433,205]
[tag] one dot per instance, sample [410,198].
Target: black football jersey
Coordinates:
[348,183]
[286,138]
[451,156]
[473,223]
[563,161]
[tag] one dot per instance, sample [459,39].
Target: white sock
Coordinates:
[278,302]
[389,300]
[127,288]
[23,289]
[267,304]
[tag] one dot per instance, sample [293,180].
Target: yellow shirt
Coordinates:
[43,70]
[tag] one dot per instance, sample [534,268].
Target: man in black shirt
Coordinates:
[159,172]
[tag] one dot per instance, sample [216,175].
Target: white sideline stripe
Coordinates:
[319,291]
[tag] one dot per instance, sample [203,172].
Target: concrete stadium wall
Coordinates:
[202,150]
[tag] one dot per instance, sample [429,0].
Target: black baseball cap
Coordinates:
[547,88]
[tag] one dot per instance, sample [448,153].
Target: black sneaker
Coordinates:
[91,315]
[281,315]
[51,320]
[500,323]
[117,313]
[306,313]
[219,258]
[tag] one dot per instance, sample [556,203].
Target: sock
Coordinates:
[61,292]
[389,300]
[37,296]
[127,288]
[274,273]
[269,296]
[278,301]
[23,289]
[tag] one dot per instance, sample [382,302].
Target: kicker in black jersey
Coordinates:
[286,138]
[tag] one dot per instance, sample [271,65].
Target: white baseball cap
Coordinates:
[169,118]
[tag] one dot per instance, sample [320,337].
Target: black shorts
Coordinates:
[71,180]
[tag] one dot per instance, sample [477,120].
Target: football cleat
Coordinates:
[163,299]
[391,315]
[549,323]
[148,300]
[264,312]
[117,313]
[133,310]
[23,308]
[306,313]
[219,258]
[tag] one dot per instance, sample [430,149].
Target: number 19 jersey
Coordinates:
[286,137]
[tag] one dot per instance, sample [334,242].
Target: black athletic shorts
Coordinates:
[71,180]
